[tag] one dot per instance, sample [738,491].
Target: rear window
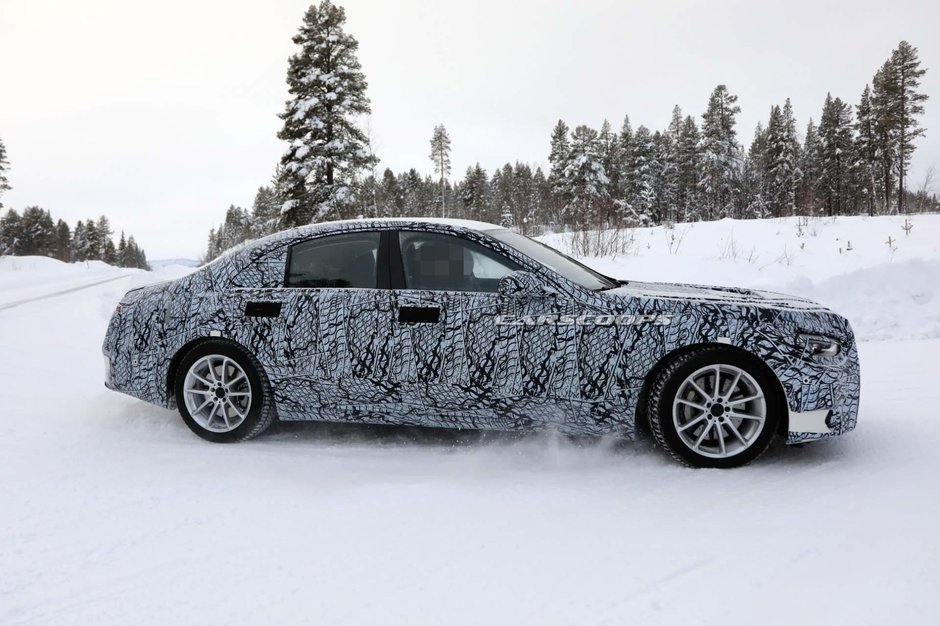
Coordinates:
[337,261]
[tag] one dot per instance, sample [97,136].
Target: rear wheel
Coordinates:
[715,407]
[222,393]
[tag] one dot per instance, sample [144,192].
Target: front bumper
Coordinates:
[823,401]
[107,373]
[810,422]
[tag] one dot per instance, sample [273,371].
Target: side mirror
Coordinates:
[522,284]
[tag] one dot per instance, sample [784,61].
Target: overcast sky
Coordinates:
[161,114]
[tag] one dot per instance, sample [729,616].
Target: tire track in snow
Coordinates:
[61,292]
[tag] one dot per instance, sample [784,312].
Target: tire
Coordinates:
[229,397]
[700,427]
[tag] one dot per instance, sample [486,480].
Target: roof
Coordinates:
[311,229]
[443,221]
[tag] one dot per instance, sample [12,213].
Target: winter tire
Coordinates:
[222,392]
[715,407]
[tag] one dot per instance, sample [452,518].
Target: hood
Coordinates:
[717,295]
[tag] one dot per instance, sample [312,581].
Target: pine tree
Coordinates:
[783,171]
[63,241]
[104,232]
[755,173]
[866,152]
[109,252]
[326,148]
[668,192]
[585,182]
[541,203]
[689,165]
[643,167]
[37,232]
[135,255]
[811,166]
[836,150]
[122,249]
[558,161]
[4,168]
[474,192]
[79,242]
[720,154]
[884,95]
[236,228]
[624,194]
[212,249]
[523,196]
[265,212]
[908,103]
[413,196]
[666,176]
[392,199]
[611,156]
[440,156]
[11,235]
[92,249]
[503,199]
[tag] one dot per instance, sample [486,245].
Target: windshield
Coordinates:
[553,259]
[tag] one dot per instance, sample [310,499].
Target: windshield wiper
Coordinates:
[616,283]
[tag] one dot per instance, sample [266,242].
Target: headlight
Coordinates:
[820,346]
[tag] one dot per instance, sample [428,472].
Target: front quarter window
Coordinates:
[346,261]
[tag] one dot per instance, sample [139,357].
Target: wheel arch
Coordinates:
[642,422]
[170,388]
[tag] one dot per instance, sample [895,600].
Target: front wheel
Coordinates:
[222,392]
[715,407]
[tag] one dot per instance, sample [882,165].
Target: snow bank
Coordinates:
[886,291]
[25,278]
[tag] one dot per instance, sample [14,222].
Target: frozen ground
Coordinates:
[111,512]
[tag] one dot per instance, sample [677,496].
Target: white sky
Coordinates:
[161,114]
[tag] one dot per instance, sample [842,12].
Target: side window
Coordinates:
[344,261]
[447,263]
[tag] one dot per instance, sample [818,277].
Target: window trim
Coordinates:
[397,264]
[381,258]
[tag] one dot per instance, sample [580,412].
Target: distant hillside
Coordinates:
[167,262]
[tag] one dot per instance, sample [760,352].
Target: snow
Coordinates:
[114,513]
[886,292]
[458,223]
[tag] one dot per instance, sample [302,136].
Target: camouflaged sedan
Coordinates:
[468,325]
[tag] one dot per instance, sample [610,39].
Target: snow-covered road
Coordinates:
[112,512]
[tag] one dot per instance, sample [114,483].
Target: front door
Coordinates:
[459,364]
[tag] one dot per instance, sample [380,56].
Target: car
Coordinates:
[463,324]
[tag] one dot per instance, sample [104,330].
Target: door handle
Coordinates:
[419,314]
[262,309]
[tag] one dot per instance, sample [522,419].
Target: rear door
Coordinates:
[338,321]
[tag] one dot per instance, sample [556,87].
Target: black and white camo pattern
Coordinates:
[342,355]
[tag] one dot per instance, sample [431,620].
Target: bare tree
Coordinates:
[926,186]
